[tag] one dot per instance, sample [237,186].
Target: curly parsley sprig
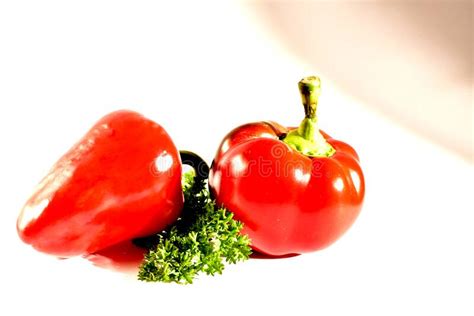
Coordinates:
[200,241]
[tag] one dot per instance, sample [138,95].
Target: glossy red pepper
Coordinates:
[296,190]
[122,180]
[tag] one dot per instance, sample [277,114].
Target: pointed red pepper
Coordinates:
[122,180]
[295,189]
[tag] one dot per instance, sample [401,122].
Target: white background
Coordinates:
[200,70]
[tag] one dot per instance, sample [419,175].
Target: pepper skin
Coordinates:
[122,180]
[289,202]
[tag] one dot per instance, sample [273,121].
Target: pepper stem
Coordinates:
[306,138]
[310,89]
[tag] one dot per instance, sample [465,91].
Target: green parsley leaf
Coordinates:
[201,240]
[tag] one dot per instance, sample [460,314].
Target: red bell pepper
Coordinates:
[295,189]
[122,180]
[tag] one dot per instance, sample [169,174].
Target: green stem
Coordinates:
[310,90]
[306,138]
